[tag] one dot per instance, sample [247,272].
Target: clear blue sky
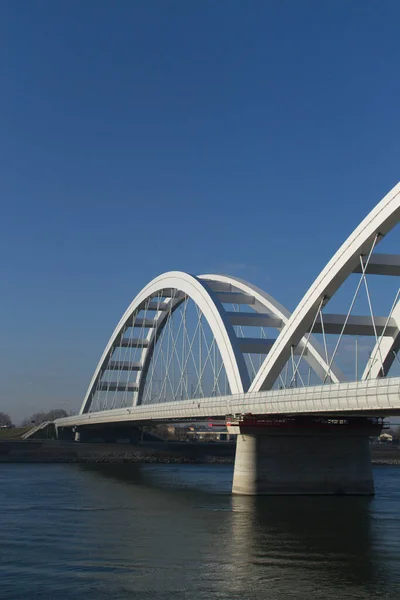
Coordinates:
[139,137]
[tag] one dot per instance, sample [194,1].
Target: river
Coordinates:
[116,532]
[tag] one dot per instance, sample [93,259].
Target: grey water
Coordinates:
[174,532]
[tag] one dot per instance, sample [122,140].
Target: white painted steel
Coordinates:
[346,260]
[112,386]
[133,343]
[254,320]
[119,365]
[355,325]
[382,264]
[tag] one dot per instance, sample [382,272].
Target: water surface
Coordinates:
[175,532]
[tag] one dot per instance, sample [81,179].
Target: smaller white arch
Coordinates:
[212,309]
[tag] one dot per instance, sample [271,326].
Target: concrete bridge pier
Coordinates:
[296,459]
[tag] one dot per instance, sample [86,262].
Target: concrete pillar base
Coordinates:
[300,462]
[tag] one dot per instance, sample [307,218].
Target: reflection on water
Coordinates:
[174,531]
[308,544]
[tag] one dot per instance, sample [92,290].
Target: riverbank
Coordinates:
[383,454]
[53,451]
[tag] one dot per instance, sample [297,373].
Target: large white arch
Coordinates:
[213,311]
[377,224]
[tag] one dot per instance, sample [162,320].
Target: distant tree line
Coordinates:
[36,418]
[40,417]
[5,420]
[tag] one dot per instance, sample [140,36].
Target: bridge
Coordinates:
[301,390]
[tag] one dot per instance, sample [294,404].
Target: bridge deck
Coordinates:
[378,397]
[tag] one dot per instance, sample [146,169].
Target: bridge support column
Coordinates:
[304,461]
[64,433]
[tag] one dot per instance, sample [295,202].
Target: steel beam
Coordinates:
[132,343]
[113,386]
[235,298]
[356,325]
[118,365]
[247,319]
[382,264]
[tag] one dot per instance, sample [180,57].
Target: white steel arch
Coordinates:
[178,285]
[209,292]
[360,243]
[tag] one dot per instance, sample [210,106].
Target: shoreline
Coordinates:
[54,451]
[150,460]
[50,451]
